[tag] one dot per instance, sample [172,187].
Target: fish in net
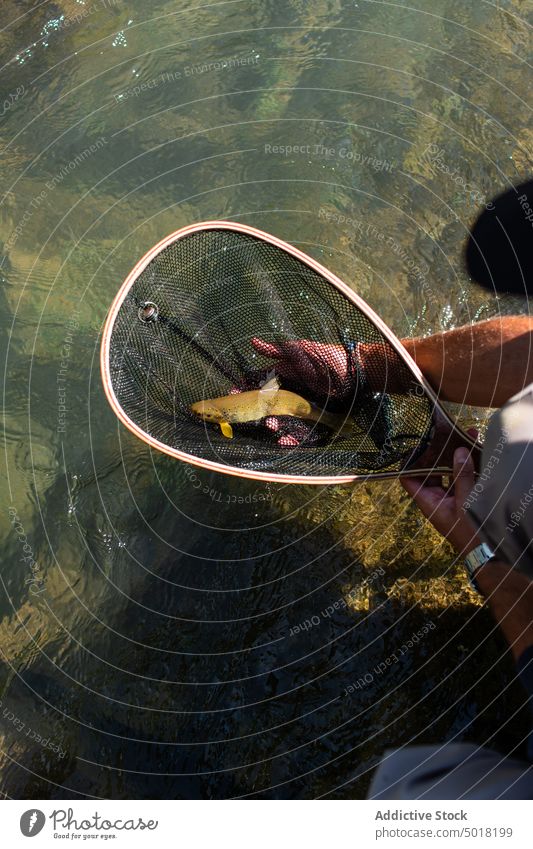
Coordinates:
[217,331]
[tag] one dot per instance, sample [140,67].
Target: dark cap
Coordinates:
[499,253]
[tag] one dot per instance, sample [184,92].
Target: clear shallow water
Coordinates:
[161,638]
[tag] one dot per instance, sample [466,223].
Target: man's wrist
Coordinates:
[492,573]
[494,576]
[474,560]
[509,594]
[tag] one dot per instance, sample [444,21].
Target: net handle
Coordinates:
[442,461]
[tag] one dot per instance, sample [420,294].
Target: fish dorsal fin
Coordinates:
[271,385]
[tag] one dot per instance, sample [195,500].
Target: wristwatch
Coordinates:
[474,560]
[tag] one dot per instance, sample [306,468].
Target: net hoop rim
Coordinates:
[236,470]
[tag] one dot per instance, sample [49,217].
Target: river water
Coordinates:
[166,632]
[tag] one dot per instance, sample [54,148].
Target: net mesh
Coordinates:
[188,330]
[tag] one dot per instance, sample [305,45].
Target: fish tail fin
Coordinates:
[347,429]
[343,425]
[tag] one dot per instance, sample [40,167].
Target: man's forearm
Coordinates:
[482,364]
[509,595]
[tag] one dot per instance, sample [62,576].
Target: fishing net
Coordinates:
[219,311]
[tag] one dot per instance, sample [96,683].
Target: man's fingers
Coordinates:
[265,348]
[411,485]
[414,485]
[288,441]
[428,498]
[463,475]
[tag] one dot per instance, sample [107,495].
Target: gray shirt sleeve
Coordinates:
[501,502]
[451,771]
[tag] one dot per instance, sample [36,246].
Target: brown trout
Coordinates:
[269,400]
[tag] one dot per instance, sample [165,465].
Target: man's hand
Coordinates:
[321,367]
[445,509]
[325,368]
